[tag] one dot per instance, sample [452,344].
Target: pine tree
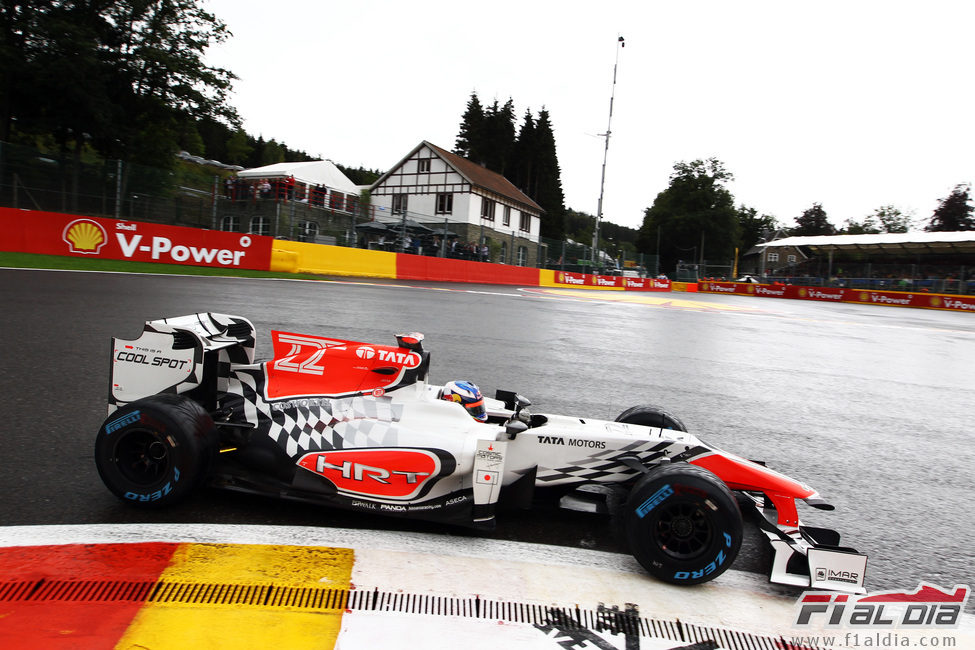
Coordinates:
[548,190]
[521,168]
[498,137]
[471,128]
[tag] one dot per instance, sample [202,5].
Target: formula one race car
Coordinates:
[358,426]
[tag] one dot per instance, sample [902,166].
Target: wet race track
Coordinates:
[870,405]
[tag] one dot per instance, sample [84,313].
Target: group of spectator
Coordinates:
[245,189]
[286,189]
[426,244]
[468,251]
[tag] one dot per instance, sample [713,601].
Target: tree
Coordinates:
[886,218]
[695,216]
[891,219]
[813,222]
[494,149]
[521,170]
[469,135]
[954,213]
[548,179]
[238,148]
[126,78]
[754,228]
[869,226]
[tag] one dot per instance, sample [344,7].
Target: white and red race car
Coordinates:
[358,426]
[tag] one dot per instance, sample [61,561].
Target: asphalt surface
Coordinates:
[870,405]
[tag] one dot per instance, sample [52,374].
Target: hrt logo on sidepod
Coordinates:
[393,474]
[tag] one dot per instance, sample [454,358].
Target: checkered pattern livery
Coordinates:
[606,466]
[317,424]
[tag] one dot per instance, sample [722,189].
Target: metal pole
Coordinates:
[118,190]
[216,188]
[602,180]
[443,240]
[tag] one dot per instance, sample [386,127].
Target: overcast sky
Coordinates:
[853,104]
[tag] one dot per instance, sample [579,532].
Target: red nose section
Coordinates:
[741,474]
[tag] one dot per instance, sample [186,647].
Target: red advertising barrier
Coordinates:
[51,233]
[610,281]
[646,284]
[419,267]
[831,294]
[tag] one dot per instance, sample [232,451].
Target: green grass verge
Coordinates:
[32,261]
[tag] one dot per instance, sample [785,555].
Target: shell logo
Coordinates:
[802,293]
[864,296]
[751,289]
[561,279]
[935,301]
[84,236]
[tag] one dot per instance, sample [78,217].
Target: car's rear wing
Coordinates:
[178,355]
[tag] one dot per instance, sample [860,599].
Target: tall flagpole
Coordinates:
[602,180]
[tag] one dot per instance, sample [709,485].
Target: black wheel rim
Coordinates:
[683,530]
[142,457]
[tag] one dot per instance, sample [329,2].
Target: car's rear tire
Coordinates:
[649,415]
[156,450]
[682,524]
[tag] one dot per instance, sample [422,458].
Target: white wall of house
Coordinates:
[423,187]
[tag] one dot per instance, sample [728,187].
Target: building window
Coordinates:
[487,209]
[772,257]
[506,219]
[792,259]
[522,256]
[504,252]
[526,222]
[261,226]
[230,223]
[399,203]
[423,165]
[445,204]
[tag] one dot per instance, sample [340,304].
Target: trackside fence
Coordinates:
[206,194]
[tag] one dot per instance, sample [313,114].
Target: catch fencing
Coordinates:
[207,194]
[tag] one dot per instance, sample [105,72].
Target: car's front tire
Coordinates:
[156,450]
[682,524]
[648,415]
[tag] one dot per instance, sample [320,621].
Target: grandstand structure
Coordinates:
[942,262]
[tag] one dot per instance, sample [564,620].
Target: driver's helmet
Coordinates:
[469,395]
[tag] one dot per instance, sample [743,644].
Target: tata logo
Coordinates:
[384,474]
[408,359]
[84,236]
[365,352]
